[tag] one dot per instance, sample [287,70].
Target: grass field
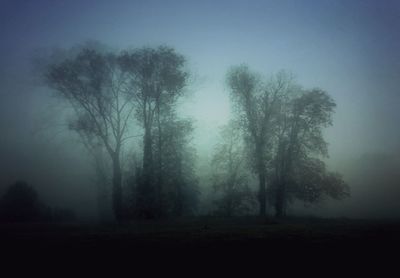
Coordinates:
[206,237]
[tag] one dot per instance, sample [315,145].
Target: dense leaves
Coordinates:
[282,126]
[276,135]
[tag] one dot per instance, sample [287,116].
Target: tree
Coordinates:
[158,76]
[282,125]
[312,182]
[180,186]
[297,170]
[255,107]
[96,88]
[102,174]
[230,175]
[20,203]
[179,190]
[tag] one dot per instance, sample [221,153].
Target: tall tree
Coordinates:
[299,141]
[180,186]
[158,76]
[255,106]
[179,191]
[96,88]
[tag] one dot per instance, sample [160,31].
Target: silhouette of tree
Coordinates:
[282,126]
[180,185]
[311,182]
[297,171]
[20,203]
[179,190]
[96,88]
[230,174]
[255,106]
[158,76]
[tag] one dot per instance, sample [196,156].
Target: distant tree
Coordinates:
[20,203]
[230,175]
[159,77]
[282,125]
[96,88]
[312,182]
[101,166]
[180,184]
[179,191]
[297,172]
[102,179]
[255,106]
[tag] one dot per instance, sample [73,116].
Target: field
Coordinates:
[206,240]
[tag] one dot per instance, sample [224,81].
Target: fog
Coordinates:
[347,48]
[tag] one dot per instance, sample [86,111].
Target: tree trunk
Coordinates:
[117,188]
[147,204]
[229,206]
[179,198]
[261,168]
[147,154]
[262,193]
[159,185]
[103,196]
[280,200]
[179,201]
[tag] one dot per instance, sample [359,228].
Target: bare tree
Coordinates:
[96,88]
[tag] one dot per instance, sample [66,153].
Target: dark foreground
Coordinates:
[206,240]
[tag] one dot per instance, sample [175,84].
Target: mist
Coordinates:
[341,54]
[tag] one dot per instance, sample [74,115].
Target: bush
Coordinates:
[20,203]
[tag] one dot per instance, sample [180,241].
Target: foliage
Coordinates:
[178,184]
[158,78]
[298,173]
[230,179]
[95,86]
[282,126]
[20,203]
[276,133]
[255,106]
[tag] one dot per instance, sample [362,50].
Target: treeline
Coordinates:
[21,203]
[275,135]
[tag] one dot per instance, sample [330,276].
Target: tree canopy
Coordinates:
[275,134]
[282,125]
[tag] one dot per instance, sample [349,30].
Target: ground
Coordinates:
[333,241]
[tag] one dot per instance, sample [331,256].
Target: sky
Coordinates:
[348,48]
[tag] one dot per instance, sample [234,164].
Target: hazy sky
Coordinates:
[349,48]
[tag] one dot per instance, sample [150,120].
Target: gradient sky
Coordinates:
[349,48]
